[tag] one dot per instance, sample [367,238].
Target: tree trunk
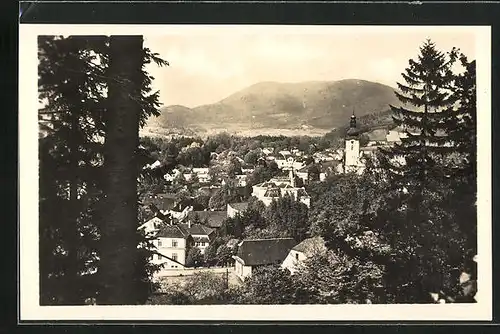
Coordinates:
[119,254]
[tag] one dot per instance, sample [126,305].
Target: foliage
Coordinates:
[224,255]
[73,78]
[210,255]
[288,217]
[336,278]
[223,196]
[427,239]
[272,285]
[194,257]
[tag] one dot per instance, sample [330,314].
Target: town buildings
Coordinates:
[234,209]
[279,187]
[301,252]
[255,253]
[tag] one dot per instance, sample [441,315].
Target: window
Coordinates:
[202,244]
[174,243]
[174,256]
[159,243]
[297,256]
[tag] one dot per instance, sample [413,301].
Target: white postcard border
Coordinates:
[28,195]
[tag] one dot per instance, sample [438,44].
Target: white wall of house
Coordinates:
[151,225]
[292,260]
[174,248]
[201,245]
[258,191]
[303,176]
[231,212]
[240,269]
[306,201]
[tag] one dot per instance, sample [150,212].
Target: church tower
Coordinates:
[351,152]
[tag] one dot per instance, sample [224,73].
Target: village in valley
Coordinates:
[334,184]
[185,228]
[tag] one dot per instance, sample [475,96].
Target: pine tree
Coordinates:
[426,241]
[70,91]
[73,80]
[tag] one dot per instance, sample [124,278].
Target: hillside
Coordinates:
[314,105]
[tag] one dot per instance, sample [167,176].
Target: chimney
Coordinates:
[189,223]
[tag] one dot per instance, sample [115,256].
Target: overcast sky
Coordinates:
[208,65]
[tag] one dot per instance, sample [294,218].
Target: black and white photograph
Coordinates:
[212,172]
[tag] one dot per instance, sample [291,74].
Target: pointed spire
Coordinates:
[353,119]
[353,131]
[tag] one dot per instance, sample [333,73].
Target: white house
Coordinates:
[304,250]
[171,244]
[151,225]
[252,254]
[303,173]
[202,235]
[236,208]
[279,187]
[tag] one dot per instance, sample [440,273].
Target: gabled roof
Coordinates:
[266,184]
[171,231]
[201,239]
[301,192]
[241,206]
[214,218]
[310,246]
[304,169]
[264,251]
[273,192]
[196,229]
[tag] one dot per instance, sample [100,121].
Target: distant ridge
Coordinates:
[313,105]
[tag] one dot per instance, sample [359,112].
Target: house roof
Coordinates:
[324,165]
[201,239]
[241,206]
[264,251]
[310,246]
[301,192]
[266,184]
[171,231]
[214,218]
[181,205]
[196,229]
[273,192]
[304,169]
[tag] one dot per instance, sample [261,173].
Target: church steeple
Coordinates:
[353,131]
[353,119]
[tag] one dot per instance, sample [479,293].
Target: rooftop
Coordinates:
[196,229]
[310,246]
[214,218]
[264,251]
[171,231]
[241,206]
